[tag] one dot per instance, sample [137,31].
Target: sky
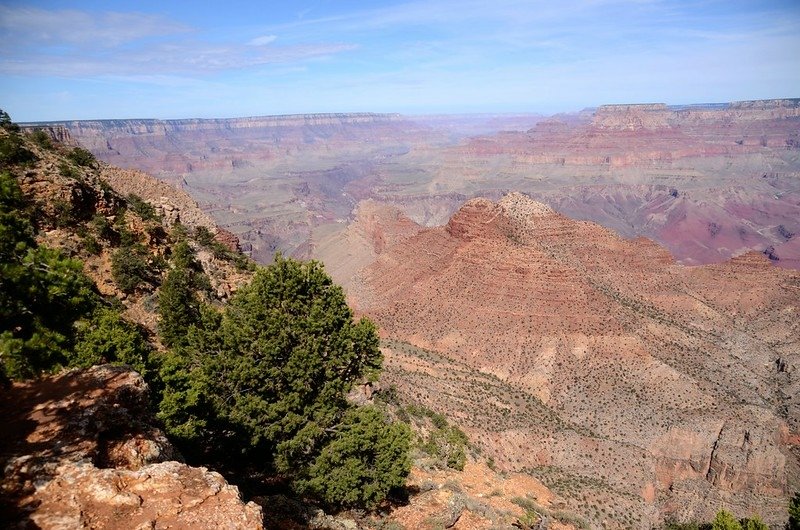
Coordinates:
[174,59]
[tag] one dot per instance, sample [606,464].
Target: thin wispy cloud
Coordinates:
[183,58]
[407,56]
[263,40]
[34,26]
[70,43]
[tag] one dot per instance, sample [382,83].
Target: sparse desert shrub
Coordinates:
[203,236]
[131,267]
[42,139]
[448,443]
[445,441]
[13,151]
[142,208]
[529,520]
[91,244]
[105,229]
[127,237]
[64,214]
[67,170]
[82,157]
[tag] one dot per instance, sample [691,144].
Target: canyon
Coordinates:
[637,388]
[605,301]
[706,181]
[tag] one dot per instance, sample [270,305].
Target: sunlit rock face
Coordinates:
[568,351]
[81,451]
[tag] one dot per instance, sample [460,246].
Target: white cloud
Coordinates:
[185,59]
[263,40]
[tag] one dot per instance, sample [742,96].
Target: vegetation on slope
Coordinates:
[42,293]
[268,378]
[257,386]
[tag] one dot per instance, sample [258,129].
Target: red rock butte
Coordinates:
[568,351]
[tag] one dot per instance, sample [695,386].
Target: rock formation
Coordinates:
[585,358]
[664,172]
[80,451]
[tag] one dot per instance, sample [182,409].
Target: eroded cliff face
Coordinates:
[707,181]
[79,450]
[652,134]
[659,115]
[618,377]
[185,146]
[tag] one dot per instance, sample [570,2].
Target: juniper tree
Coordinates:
[267,379]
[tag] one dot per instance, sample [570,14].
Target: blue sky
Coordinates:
[165,59]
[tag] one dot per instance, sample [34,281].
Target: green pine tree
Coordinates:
[42,293]
[794,513]
[755,523]
[178,300]
[267,379]
[109,338]
[725,521]
[366,459]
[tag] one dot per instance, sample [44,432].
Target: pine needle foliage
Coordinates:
[267,379]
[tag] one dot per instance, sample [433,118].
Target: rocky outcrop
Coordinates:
[659,115]
[346,252]
[585,358]
[57,133]
[174,204]
[80,451]
[632,117]
[165,495]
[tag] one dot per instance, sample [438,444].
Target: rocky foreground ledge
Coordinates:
[79,451]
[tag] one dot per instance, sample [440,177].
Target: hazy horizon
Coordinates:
[178,60]
[403,115]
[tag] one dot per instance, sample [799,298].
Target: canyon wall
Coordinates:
[707,181]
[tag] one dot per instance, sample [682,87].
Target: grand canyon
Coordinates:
[606,302]
[707,182]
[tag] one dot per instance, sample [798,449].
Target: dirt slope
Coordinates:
[597,363]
